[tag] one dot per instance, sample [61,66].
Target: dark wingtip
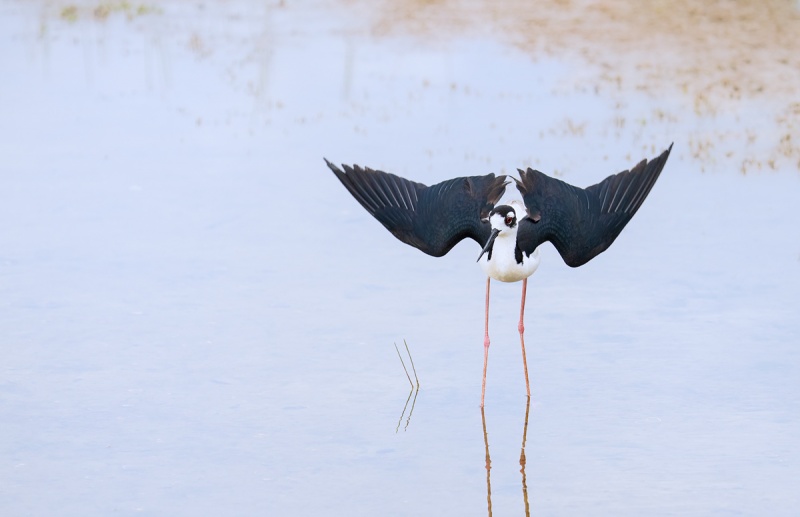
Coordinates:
[525,181]
[496,189]
[663,156]
[331,166]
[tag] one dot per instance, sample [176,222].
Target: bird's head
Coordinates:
[504,220]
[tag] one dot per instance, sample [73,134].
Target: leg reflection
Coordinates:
[488,464]
[523,461]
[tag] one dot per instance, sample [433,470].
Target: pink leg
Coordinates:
[521,328]
[485,342]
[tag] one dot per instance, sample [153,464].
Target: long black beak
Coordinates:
[489,243]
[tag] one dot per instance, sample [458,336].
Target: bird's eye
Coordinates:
[509,220]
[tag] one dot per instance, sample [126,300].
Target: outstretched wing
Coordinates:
[582,223]
[433,219]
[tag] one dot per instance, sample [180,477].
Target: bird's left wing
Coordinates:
[582,223]
[432,219]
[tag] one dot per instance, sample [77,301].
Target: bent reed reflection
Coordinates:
[413,391]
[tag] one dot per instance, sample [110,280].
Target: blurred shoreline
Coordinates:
[723,75]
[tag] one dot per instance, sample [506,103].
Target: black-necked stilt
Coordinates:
[581,223]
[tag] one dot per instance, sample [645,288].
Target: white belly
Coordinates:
[503,265]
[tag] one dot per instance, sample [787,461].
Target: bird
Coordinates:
[580,223]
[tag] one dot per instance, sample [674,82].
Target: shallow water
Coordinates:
[198,319]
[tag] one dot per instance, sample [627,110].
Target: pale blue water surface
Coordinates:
[197,319]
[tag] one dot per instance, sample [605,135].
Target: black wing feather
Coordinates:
[432,219]
[582,223]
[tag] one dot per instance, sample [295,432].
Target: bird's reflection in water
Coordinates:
[522,461]
[488,464]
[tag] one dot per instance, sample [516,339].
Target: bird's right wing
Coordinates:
[582,223]
[432,219]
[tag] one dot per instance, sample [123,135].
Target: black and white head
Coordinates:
[504,220]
